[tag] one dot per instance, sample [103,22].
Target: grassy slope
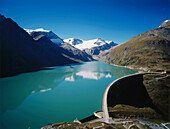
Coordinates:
[144,50]
[126,110]
[103,125]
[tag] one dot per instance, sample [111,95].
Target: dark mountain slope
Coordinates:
[67,49]
[19,52]
[75,53]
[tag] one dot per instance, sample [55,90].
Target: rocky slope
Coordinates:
[21,53]
[75,53]
[165,24]
[149,50]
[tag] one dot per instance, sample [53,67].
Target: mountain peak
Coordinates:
[88,44]
[166,20]
[49,34]
[165,24]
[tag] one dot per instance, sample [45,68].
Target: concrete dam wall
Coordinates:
[129,90]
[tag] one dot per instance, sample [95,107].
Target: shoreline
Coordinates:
[130,67]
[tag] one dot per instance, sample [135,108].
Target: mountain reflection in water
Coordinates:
[14,90]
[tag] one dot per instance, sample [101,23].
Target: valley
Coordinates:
[49,79]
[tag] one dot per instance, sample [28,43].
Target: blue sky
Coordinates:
[117,20]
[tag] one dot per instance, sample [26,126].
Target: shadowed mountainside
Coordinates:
[21,53]
[66,48]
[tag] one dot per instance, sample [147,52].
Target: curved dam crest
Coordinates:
[127,90]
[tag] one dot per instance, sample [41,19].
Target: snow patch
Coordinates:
[36,30]
[166,20]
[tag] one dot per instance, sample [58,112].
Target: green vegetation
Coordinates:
[122,110]
[144,51]
[158,88]
[73,125]
[149,51]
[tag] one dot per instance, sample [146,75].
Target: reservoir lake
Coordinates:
[62,93]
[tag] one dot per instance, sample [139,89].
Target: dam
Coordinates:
[127,90]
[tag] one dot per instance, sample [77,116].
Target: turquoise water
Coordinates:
[63,93]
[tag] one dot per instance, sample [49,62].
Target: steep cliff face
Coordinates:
[19,52]
[148,50]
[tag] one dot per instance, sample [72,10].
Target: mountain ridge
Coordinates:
[21,53]
[49,34]
[86,44]
[68,49]
[94,47]
[148,50]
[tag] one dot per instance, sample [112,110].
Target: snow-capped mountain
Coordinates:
[68,49]
[86,44]
[73,41]
[92,47]
[49,34]
[165,24]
